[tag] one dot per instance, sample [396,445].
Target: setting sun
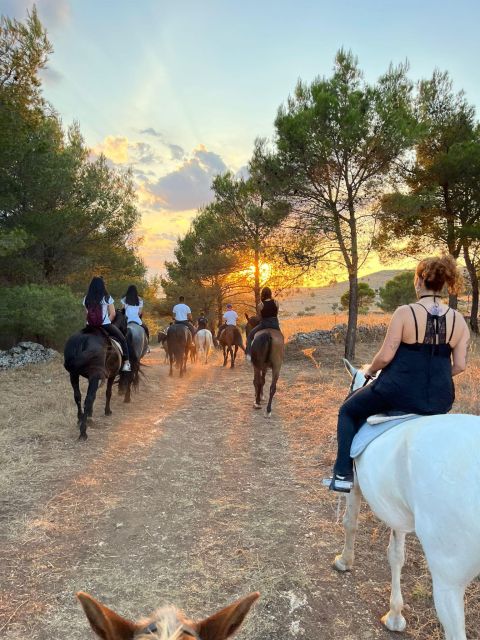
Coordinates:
[265,271]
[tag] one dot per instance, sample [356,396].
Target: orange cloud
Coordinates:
[115,148]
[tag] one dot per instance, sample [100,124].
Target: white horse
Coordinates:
[423,476]
[204,342]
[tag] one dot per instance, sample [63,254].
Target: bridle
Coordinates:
[368,379]
[186,630]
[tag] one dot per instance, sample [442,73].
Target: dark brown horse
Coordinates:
[179,342]
[92,355]
[167,623]
[267,353]
[231,341]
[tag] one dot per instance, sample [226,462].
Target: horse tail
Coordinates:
[261,348]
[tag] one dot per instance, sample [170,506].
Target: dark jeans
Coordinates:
[354,411]
[115,332]
[267,323]
[188,324]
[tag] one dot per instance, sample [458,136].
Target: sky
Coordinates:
[178,91]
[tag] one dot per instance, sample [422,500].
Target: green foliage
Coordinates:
[397,291]
[337,141]
[45,314]
[365,297]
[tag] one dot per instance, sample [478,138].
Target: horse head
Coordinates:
[120,320]
[167,623]
[358,377]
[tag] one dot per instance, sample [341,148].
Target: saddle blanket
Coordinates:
[374,427]
[116,345]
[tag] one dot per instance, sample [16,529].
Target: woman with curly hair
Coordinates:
[425,346]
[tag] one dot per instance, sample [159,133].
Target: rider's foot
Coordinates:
[126,366]
[344,484]
[248,357]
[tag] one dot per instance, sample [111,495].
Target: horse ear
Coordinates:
[225,622]
[107,624]
[349,367]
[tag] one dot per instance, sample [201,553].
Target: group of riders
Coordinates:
[424,348]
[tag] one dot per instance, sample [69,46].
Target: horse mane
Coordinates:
[167,622]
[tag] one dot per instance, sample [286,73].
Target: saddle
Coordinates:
[375,426]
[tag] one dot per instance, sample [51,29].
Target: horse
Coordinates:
[267,352]
[179,340]
[92,355]
[423,476]
[137,347]
[167,623]
[162,339]
[231,341]
[204,343]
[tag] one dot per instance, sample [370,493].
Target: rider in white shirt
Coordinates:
[182,314]
[230,318]
[133,305]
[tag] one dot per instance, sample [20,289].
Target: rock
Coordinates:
[25,353]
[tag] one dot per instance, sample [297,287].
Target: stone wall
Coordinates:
[336,335]
[25,353]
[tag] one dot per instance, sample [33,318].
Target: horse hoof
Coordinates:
[82,437]
[394,622]
[127,400]
[256,406]
[108,412]
[90,420]
[340,565]
[268,414]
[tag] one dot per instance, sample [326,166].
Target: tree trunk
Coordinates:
[451,243]
[472,272]
[351,336]
[256,286]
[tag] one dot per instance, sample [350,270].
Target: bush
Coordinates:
[366,295]
[397,291]
[41,313]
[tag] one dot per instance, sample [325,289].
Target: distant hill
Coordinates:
[322,298]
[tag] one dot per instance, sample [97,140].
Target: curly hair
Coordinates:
[439,272]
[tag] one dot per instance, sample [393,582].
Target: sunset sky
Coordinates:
[179,90]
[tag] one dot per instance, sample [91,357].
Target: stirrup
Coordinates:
[336,484]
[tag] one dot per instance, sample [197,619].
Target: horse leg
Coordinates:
[129,387]
[449,603]
[257,383]
[344,562]
[234,356]
[273,388]
[108,395]
[225,355]
[77,394]
[88,406]
[394,620]
[171,364]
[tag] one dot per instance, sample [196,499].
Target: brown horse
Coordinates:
[179,342]
[231,340]
[167,623]
[267,353]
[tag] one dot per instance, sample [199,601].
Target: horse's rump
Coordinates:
[231,336]
[178,339]
[85,353]
[261,349]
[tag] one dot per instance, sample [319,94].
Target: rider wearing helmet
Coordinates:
[426,344]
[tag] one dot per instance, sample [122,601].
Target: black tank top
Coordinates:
[269,309]
[419,378]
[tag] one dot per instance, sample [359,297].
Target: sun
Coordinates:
[265,271]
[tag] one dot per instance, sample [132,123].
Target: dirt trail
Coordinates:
[190,496]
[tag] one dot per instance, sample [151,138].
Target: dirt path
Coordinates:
[190,496]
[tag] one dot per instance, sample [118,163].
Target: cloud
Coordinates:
[188,187]
[152,132]
[176,151]
[143,153]
[115,148]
